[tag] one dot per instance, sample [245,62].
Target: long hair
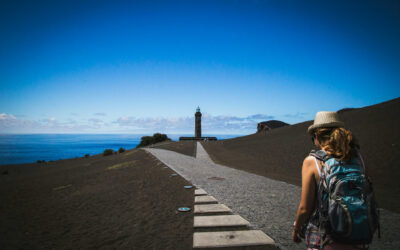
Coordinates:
[338,142]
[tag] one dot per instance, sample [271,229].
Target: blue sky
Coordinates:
[144,67]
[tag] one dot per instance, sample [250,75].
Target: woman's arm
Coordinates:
[307,201]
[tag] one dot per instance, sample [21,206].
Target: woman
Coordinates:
[328,133]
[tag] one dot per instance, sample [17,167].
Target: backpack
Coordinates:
[347,210]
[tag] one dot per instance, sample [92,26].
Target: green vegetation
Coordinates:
[62,187]
[121,150]
[108,151]
[130,152]
[122,165]
[148,140]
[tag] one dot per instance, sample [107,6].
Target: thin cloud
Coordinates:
[5,117]
[261,117]
[9,123]
[51,120]
[296,115]
[159,123]
[100,114]
[94,120]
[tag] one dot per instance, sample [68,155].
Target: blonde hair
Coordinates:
[338,142]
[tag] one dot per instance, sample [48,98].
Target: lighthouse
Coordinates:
[197,129]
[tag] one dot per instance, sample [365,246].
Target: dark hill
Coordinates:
[271,124]
[345,110]
[279,153]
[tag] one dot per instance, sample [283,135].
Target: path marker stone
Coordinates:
[204,199]
[231,239]
[220,221]
[184,209]
[200,192]
[211,208]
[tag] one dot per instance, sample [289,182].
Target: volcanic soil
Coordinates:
[124,201]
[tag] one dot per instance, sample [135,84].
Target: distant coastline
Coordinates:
[29,148]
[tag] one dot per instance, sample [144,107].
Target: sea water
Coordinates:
[17,149]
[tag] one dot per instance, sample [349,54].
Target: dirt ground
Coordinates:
[184,147]
[124,201]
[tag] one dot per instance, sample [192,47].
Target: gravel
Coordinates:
[269,205]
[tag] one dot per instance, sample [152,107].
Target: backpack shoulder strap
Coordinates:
[320,155]
[361,161]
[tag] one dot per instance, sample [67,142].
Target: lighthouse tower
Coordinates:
[197,129]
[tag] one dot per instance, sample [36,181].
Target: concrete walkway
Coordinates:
[269,205]
[202,155]
[239,235]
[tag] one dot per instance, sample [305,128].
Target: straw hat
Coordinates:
[325,119]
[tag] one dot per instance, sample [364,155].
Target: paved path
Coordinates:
[269,205]
[202,155]
[232,238]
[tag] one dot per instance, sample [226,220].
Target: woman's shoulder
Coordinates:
[309,160]
[309,163]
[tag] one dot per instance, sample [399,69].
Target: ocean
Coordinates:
[17,149]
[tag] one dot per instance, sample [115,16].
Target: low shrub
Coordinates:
[121,150]
[87,155]
[108,151]
[148,140]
